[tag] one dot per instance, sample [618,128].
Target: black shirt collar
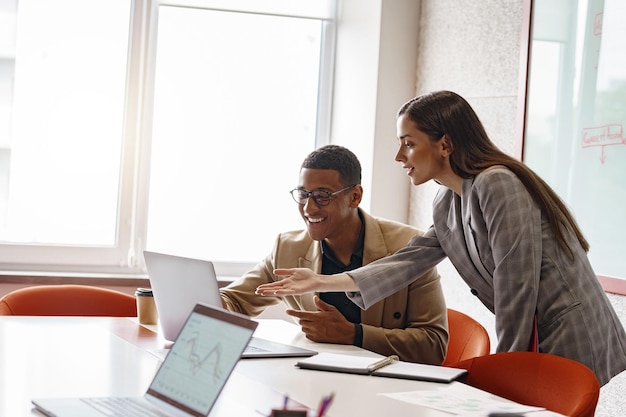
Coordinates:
[332,265]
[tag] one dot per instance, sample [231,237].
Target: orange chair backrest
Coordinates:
[68,300]
[538,379]
[468,338]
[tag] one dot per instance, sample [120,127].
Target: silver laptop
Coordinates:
[178,283]
[203,356]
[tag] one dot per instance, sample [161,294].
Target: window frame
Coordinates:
[124,257]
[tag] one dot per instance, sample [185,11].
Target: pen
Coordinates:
[285,402]
[325,404]
[384,361]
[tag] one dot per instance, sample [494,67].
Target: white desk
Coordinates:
[98,356]
[355,395]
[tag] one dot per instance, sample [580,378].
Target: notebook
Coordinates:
[387,366]
[191,377]
[178,283]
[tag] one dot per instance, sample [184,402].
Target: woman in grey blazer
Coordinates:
[508,234]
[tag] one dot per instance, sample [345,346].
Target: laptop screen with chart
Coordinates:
[200,362]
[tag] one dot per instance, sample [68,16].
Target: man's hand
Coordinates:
[327,325]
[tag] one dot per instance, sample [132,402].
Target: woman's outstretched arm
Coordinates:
[302,280]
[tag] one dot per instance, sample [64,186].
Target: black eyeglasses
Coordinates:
[321,197]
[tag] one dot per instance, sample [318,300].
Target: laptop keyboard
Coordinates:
[122,407]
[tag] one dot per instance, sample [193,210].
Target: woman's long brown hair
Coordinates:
[446,113]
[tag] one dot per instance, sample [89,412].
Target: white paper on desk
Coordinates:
[451,399]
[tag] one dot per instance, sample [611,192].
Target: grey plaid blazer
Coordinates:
[503,248]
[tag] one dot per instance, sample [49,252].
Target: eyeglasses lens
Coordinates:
[320,197]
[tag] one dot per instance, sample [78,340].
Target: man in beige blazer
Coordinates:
[339,236]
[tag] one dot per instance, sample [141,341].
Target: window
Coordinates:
[575,118]
[172,127]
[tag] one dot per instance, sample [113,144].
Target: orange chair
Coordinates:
[67,300]
[468,338]
[538,379]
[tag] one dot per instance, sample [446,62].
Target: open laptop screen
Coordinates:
[202,358]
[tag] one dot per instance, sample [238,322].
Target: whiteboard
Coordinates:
[575,116]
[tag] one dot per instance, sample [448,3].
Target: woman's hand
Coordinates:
[302,280]
[298,281]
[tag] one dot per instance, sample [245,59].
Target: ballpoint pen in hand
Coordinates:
[325,404]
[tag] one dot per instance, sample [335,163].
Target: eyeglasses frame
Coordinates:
[309,194]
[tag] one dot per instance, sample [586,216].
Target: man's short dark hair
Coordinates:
[337,158]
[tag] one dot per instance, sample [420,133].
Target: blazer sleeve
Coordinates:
[288,251]
[423,335]
[385,276]
[239,296]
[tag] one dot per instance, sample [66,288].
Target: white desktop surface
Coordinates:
[67,356]
[100,356]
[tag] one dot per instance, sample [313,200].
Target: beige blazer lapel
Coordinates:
[375,248]
[313,261]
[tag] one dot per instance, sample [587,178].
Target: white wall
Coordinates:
[374,75]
